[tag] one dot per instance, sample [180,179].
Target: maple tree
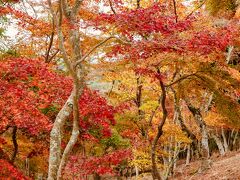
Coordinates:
[167,88]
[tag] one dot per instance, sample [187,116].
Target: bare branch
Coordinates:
[113,83]
[61,41]
[51,57]
[175,10]
[49,47]
[182,78]
[111,6]
[195,9]
[97,46]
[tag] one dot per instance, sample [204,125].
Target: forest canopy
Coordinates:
[117,88]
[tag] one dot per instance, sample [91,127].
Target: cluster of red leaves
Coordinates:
[152,31]
[28,85]
[145,21]
[96,113]
[144,49]
[8,171]
[81,166]
[18,108]
[206,42]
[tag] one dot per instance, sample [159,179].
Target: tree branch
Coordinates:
[155,172]
[138,4]
[97,46]
[54,54]
[195,9]
[175,10]
[3,131]
[111,6]
[182,78]
[49,48]
[61,41]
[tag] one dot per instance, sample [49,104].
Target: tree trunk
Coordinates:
[96,177]
[155,173]
[206,152]
[172,162]
[225,144]
[199,120]
[188,155]
[137,171]
[15,144]
[75,130]
[27,166]
[56,137]
[184,128]
[235,139]
[219,144]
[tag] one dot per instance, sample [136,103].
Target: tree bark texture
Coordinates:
[203,127]
[15,144]
[155,172]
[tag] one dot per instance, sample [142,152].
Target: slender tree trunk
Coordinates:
[184,128]
[15,144]
[137,171]
[225,144]
[229,54]
[27,166]
[219,144]
[56,138]
[171,165]
[188,155]
[155,173]
[235,139]
[75,130]
[199,120]
[206,151]
[57,160]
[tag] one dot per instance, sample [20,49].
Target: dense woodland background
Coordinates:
[104,89]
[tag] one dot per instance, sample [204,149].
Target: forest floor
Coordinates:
[226,167]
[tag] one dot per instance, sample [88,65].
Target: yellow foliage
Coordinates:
[149,106]
[142,160]
[175,131]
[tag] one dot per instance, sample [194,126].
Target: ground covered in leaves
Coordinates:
[226,167]
[222,168]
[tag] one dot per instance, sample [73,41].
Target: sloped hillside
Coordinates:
[226,167]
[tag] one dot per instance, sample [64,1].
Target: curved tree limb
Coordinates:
[155,173]
[97,46]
